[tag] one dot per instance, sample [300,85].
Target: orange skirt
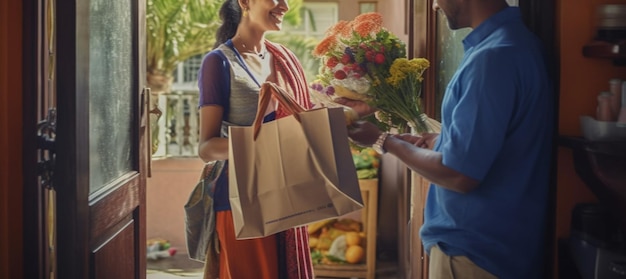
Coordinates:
[249,258]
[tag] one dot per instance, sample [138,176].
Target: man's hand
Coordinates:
[425,140]
[363,133]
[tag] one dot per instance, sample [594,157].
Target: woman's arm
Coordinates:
[211,146]
[214,86]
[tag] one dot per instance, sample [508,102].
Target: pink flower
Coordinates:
[340,74]
[332,62]
[380,58]
[345,59]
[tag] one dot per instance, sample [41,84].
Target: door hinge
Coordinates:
[46,146]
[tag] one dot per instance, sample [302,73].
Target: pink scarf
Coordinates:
[293,250]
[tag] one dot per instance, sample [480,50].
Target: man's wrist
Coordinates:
[378,146]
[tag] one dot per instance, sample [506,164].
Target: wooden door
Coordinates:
[101,145]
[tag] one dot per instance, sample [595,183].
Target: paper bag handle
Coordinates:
[269,89]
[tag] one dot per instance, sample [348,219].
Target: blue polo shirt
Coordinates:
[497,125]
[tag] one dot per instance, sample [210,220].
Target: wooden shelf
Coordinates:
[615,51]
[342,270]
[369,217]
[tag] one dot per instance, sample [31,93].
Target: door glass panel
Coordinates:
[110,91]
[449,53]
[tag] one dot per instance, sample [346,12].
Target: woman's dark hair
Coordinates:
[230,14]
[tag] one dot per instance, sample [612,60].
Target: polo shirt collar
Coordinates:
[507,15]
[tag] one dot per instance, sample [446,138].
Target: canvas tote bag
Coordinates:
[200,234]
[291,171]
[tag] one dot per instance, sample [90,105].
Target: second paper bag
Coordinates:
[299,170]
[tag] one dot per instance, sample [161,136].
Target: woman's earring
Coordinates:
[245,12]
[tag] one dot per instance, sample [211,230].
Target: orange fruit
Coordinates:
[313,242]
[353,238]
[354,254]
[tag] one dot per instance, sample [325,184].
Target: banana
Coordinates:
[313,228]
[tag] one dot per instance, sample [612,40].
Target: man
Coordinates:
[486,209]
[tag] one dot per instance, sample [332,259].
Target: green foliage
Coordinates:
[180,29]
[293,17]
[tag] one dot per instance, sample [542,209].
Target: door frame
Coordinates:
[34,251]
[73,200]
[11,120]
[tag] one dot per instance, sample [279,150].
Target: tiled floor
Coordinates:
[180,267]
[153,274]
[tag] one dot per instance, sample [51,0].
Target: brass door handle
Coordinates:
[147,122]
[146,103]
[156,111]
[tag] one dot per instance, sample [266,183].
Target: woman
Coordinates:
[229,80]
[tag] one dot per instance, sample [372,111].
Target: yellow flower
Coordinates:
[420,64]
[403,67]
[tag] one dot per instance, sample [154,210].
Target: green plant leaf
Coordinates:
[180,29]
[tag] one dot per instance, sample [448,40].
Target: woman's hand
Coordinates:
[361,107]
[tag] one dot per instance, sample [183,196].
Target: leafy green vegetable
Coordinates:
[316,256]
[367,173]
[335,259]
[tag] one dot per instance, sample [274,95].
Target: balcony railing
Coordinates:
[176,132]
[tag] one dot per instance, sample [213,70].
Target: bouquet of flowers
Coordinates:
[361,60]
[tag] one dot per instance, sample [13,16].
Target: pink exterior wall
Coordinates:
[167,191]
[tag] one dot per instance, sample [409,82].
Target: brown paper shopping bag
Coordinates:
[291,171]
